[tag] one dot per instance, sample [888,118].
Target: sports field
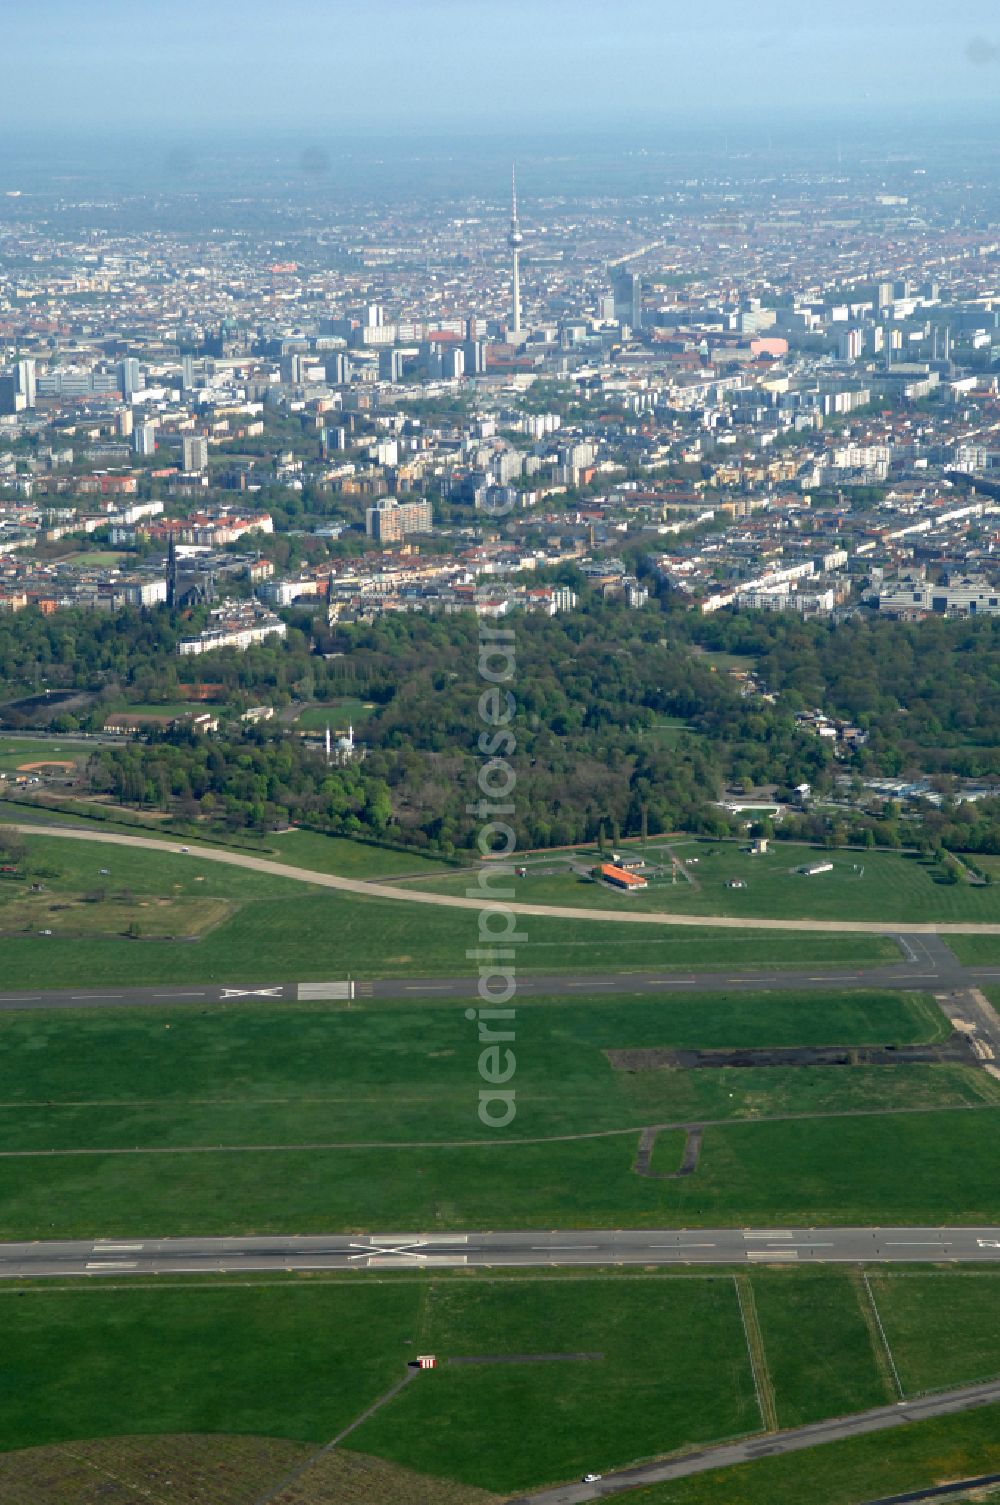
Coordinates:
[337,715]
[15,751]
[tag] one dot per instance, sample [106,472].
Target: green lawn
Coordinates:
[818,1346]
[675,1371]
[668,730]
[351,859]
[287,930]
[976,950]
[318,936]
[295,1359]
[943,1330]
[857,1170]
[337,715]
[804,1173]
[877,885]
[296,1074]
[300,1357]
[17,750]
[918,1456]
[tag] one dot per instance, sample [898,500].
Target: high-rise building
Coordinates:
[144,439]
[195,452]
[11,400]
[390,365]
[129,376]
[389,521]
[172,573]
[25,373]
[515,240]
[851,344]
[187,372]
[626,287]
[474,352]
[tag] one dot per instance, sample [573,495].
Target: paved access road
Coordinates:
[454,901]
[575,1247]
[945,1403]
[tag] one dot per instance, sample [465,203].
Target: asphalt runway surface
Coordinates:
[573,1248]
[935,966]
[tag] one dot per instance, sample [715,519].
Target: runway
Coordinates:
[926,973]
[573,1248]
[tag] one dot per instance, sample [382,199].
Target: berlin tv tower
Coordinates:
[515,240]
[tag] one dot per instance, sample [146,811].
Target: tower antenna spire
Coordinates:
[515,240]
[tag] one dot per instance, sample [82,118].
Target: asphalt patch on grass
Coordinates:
[957,1049]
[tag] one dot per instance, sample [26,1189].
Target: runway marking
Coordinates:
[21,998]
[95,997]
[680,1246]
[252,992]
[769,1256]
[988,1243]
[771,1233]
[102,1248]
[113,1264]
[377,1261]
[552,1248]
[913,1243]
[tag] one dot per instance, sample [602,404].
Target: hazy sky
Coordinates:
[318,67]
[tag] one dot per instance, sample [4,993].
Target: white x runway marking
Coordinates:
[252,992]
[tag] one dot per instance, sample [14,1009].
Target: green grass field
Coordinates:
[819,1348]
[350,859]
[17,750]
[254,1117]
[976,950]
[668,730]
[337,715]
[801,1173]
[293,1360]
[942,1331]
[293,1074]
[284,930]
[300,1357]
[675,1371]
[312,850]
[876,885]
[922,1455]
[856,1170]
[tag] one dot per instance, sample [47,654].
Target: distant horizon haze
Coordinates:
[472,68]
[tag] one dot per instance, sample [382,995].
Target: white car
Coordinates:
[592,1478]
